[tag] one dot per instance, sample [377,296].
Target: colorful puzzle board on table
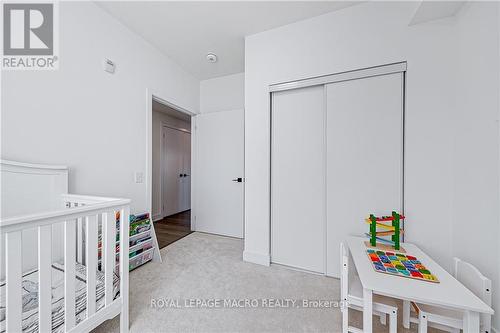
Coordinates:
[400,264]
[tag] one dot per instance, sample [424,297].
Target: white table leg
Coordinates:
[367,310]
[406,314]
[422,322]
[471,322]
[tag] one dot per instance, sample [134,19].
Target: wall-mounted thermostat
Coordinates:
[109,66]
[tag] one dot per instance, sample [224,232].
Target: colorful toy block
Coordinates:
[393,229]
[400,265]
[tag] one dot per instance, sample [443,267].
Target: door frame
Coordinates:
[150,96]
[162,159]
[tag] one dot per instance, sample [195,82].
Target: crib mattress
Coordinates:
[30,297]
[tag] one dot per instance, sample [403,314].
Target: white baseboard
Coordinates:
[156,217]
[257,258]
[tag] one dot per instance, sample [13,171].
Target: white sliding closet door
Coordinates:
[364,156]
[298,178]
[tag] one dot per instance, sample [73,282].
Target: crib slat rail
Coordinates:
[124,267]
[82,200]
[87,210]
[45,275]
[13,279]
[109,223]
[91,262]
[69,273]
[97,318]
[35,220]
[80,237]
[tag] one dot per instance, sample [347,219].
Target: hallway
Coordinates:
[172,228]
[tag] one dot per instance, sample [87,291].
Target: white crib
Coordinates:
[44,232]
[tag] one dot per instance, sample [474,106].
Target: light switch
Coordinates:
[139,177]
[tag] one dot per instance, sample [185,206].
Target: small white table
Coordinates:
[448,293]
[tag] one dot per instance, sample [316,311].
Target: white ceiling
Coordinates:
[187,31]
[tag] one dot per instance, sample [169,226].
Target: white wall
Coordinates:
[451,117]
[222,93]
[361,36]
[367,35]
[475,201]
[159,119]
[85,118]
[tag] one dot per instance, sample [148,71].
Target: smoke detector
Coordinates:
[211,57]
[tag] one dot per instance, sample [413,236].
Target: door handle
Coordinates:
[238,180]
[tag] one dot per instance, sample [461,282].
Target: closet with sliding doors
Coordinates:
[336,156]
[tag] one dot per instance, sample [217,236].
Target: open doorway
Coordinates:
[210,180]
[171,172]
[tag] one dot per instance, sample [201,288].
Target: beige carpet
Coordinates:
[203,266]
